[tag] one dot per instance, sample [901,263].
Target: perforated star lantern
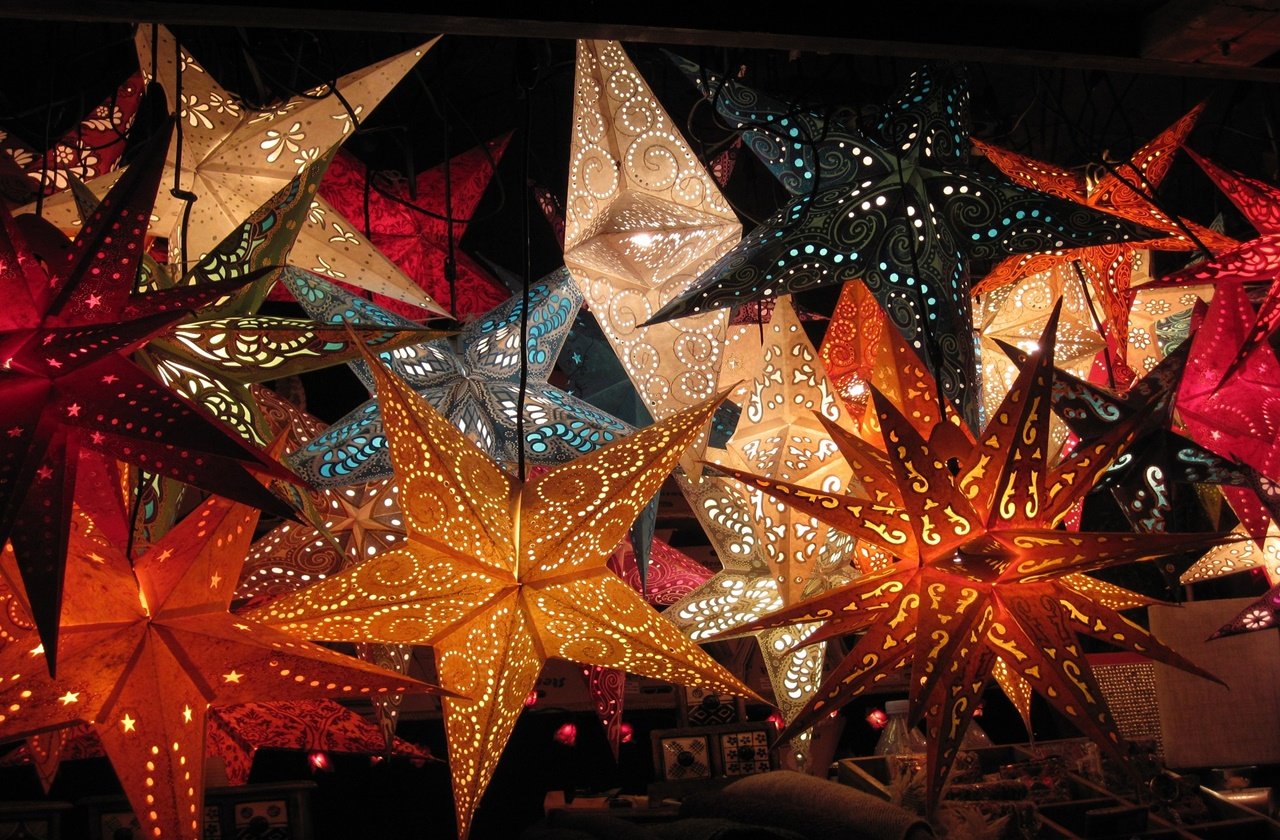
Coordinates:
[235,734]
[356,523]
[1257,260]
[409,224]
[499,575]
[774,556]
[643,218]
[149,646]
[893,208]
[1015,314]
[986,576]
[235,158]
[1236,415]
[473,379]
[1123,189]
[67,384]
[92,148]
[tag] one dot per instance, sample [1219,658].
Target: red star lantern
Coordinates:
[67,384]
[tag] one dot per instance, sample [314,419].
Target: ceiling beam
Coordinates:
[1238,33]
[375,16]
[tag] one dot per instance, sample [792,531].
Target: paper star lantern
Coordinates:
[1016,314]
[1122,189]
[417,242]
[1262,614]
[498,576]
[895,209]
[643,219]
[91,149]
[149,646]
[986,576]
[213,360]
[235,734]
[1160,320]
[1257,260]
[356,523]
[1236,416]
[774,557]
[473,379]
[235,158]
[1240,554]
[67,384]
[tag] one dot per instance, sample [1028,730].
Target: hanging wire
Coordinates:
[186,196]
[1097,324]
[526,87]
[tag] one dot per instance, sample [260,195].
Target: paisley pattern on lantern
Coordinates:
[473,379]
[235,159]
[643,219]
[498,575]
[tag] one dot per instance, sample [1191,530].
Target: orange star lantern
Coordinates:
[499,575]
[146,650]
[987,577]
[1121,189]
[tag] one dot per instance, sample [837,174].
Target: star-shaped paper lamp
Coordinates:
[894,208]
[1123,189]
[91,149]
[774,556]
[67,385]
[986,575]
[1160,320]
[1149,479]
[148,647]
[498,576]
[1262,614]
[1235,415]
[213,360]
[235,734]
[473,378]
[357,522]
[235,158]
[1257,260]
[418,240]
[1016,314]
[643,219]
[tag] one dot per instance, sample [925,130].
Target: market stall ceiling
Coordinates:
[1181,37]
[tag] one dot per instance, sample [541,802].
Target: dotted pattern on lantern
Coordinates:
[1130,689]
[643,219]
[235,159]
[498,576]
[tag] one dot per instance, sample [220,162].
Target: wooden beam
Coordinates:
[376,20]
[1237,33]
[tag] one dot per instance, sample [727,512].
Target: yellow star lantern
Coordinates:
[643,219]
[499,575]
[234,159]
[987,576]
[147,648]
